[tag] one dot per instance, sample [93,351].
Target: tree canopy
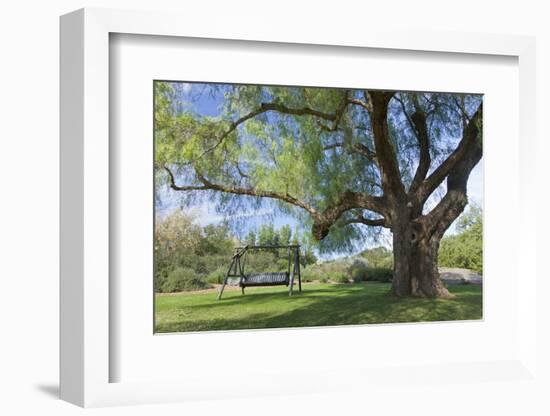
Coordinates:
[345,162]
[310,152]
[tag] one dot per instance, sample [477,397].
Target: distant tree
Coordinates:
[177,237]
[308,257]
[285,234]
[378,257]
[175,234]
[266,235]
[216,239]
[250,238]
[465,249]
[295,240]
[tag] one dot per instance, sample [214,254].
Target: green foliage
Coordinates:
[267,236]
[285,234]
[181,244]
[216,239]
[205,253]
[308,257]
[250,238]
[290,153]
[378,274]
[182,279]
[311,274]
[378,257]
[359,275]
[361,272]
[340,278]
[465,249]
[217,276]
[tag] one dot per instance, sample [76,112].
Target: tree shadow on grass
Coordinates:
[336,305]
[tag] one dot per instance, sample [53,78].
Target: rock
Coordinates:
[457,276]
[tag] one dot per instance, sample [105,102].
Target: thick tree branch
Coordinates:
[469,139]
[417,123]
[421,127]
[361,219]
[347,200]
[385,152]
[453,203]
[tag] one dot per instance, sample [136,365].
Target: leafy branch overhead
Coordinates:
[338,158]
[347,125]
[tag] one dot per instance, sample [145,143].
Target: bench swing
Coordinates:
[236,275]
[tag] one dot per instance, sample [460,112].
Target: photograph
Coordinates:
[284,206]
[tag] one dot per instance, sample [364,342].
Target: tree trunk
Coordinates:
[425,281]
[415,264]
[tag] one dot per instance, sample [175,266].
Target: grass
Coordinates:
[316,305]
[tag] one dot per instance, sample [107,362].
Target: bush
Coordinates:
[282,265]
[378,274]
[183,279]
[359,274]
[217,276]
[340,278]
[310,274]
[323,279]
[378,257]
[465,249]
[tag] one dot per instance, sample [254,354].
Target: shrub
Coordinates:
[378,274]
[217,276]
[310,274]
[282,265]
[340,278]
[359,274]
[323,279]
[182,279]
[378,257]
[465,249]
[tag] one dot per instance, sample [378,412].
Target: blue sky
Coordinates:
[207,105]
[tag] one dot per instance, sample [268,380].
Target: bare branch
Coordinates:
[207,185]
[364,104]
[265,107]
[244,175]
[185,187]
[365,151]
[333,145]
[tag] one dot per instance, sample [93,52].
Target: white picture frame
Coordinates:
[85,220]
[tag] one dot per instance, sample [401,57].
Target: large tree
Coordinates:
[344,160]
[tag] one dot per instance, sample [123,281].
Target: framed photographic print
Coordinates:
[296,208]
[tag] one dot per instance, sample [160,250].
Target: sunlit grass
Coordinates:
[317,305]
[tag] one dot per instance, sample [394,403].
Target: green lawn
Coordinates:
[317,305]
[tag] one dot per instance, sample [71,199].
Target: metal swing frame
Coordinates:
[237,270]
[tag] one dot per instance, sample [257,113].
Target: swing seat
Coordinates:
[265,279]
[236,275]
